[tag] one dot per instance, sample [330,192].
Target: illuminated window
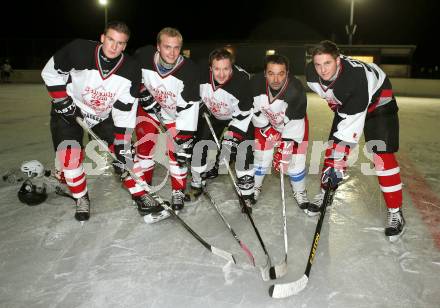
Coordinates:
[365,59]
[187,53]
[270,52]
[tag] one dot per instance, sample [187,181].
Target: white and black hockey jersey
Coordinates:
[358,88]
[75,71]
[229,101]
[177,91]
[285,111]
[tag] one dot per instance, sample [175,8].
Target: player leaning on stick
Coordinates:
[280,121]
[362,99]
[99,83]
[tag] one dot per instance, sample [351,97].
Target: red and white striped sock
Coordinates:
[388,173]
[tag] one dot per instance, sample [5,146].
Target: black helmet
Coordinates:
[30,194]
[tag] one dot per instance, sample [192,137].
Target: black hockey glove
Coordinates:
[231,141]
[124,154]
[66,108]
[331,177]
[148,103]
[184,146]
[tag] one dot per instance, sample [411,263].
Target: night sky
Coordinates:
[412,22]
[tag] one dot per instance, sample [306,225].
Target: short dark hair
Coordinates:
[118,26]
[277,59]
[325,47]
[220,54]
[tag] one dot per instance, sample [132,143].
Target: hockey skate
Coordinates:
[248,201]
[301,199]
[257,193]
[82,212]
[212,173]
[147,204]
[395,224]
[314,207]
[177,200]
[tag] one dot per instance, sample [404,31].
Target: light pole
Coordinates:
[351,28]
[104,4]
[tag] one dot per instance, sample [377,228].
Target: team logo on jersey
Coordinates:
[218,108]
[165,98]
[275,118]
[100,100]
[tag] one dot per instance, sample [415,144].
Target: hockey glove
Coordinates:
[66,108]
[124,152]
[331,177]
[231,141]
[282,156]
[148,103]
[270,133]
[335,165]
[184,145]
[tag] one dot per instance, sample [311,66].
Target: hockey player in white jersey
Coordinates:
[362,99]
[226,97]
[280,121]
[170,92]
[95,81]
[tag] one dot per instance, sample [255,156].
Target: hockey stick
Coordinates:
[219,252]
[242,245]
[280,270]
[265,269]
[284,290]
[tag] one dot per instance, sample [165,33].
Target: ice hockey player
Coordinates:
[226,97]
[98,82]
[280,121]
[362,99]
[170,91]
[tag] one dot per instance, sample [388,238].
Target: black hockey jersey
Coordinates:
[285,111]
[177,91]
[229,101]
[359,88]
[74,70]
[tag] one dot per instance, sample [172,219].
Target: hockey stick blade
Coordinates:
[284,290]
[265,270]
[240,242]
[156,217]
[279,270]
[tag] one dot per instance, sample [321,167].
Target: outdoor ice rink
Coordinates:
[47,259]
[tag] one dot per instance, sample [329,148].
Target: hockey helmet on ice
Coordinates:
[31,194]
[32,168]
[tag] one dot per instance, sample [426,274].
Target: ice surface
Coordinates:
[47,259]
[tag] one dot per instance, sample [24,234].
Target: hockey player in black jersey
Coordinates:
[362,99]
[226,97]
[171,93]
[95,81]
[280,121]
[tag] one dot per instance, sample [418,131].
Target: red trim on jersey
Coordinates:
[125,137]
[172,71]
[212,81]
[385,93]
[333,82]
[280,93]
[98,67]
[58,94]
